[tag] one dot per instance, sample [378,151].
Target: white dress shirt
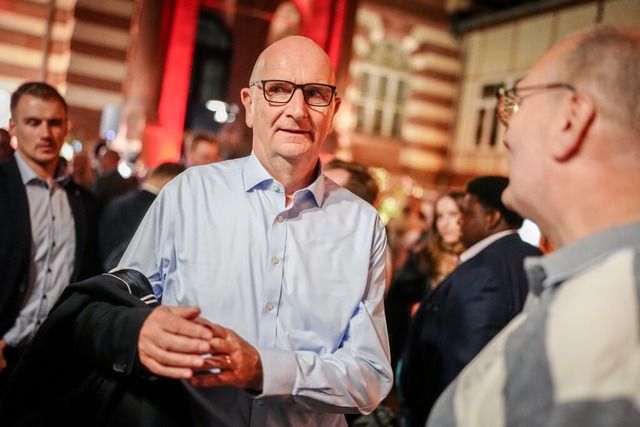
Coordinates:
[478,247]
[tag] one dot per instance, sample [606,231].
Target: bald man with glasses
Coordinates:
[259,247]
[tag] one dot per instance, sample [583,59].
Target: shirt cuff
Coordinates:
[279,369]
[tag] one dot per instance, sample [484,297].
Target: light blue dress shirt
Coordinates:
[304,284]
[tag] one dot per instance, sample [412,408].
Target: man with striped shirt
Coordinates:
[572,358]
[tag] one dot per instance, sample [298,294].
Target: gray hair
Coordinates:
[606,60]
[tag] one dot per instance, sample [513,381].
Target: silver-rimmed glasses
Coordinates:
[281,92]
[509,100]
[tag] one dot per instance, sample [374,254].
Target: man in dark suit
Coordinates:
[470,306]
[109,183]
[47,222]
[122,215]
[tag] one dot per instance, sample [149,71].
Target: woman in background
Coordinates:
[430,261]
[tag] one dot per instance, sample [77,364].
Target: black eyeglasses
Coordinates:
[281,92]
[509,100]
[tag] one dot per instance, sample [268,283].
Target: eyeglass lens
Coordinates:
[282,91]
[509,100]
[507,104]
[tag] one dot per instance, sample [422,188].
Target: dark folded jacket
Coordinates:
[82,368]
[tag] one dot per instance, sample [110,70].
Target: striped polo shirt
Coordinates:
[572,357]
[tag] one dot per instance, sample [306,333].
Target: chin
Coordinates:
[295,147]
[297,139]
[47,157]
[514,203]
[507,197]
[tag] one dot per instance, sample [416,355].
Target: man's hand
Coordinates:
[238,361]
[172,341]
[3,361]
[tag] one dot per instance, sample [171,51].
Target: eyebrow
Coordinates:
[44,118]
[39,119]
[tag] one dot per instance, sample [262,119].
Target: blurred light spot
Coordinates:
[124,169]
[67,151]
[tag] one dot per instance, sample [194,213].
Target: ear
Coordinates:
[579,116]
[245,95]
[494,219]
[12,125]
[338,102]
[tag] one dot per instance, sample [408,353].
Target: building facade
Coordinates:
[417,77]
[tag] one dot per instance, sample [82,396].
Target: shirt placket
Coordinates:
[49,244]
[274,272]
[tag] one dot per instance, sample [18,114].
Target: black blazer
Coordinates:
[457,319]
[118,223]
[82,368]
[15,239]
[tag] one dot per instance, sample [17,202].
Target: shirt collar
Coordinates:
[556,267]
[256,176]
[482,244]
[28,175]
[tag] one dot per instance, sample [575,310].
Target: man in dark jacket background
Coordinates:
[47,222]
[470,306]
[120,218]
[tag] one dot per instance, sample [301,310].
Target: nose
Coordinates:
[456,222]
[45,129]
[297,107]
[505,136]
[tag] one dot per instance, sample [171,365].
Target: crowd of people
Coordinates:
[262,290]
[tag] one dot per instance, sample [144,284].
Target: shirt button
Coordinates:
[280,218]
[269,306]
[260,402]
[275,187]
[275,260]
